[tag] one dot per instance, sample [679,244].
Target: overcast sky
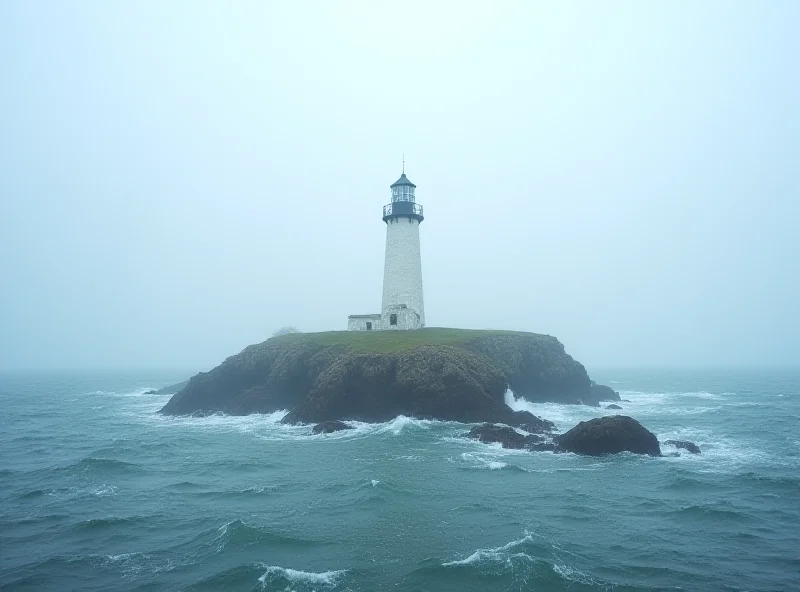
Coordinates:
[179,179]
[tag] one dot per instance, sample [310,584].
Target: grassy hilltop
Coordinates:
[396,341]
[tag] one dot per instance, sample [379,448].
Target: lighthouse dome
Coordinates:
[402,181]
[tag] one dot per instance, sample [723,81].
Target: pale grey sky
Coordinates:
[179,179]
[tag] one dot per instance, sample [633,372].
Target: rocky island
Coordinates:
[445,374]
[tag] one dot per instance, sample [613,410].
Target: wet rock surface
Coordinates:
[326,427]
[508,437]
[684,444]
[609,435]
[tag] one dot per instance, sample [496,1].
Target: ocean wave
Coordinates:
[715,514]
[491,554]
[689,483]
[645,396]
[789,483]
[564,416]
[268,426]
[97,524]
[283,578]
[245,492]
[133,564]
[530,562]
[720,453]
[101,490]
[477,461]
[33,494]
[128,566]
[236,535]
[102,466]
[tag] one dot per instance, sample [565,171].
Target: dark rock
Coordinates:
[326,427]
[171,389]
[542,447]
[527,421]
[151,392]
[685,444]
[601,392]
[609,435]
[613,406]
[506,436]
[459,376]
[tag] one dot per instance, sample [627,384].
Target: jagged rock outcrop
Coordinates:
[609,435]
[508,437]
[444,374]
[525,420]
[327,427]
[601,393]
[684,444]
[171,389]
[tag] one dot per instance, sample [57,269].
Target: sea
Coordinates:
[100,492]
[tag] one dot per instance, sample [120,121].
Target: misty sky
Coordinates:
[180,179]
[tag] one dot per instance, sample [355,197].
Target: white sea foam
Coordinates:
[402,423]
[264,489]
[495,554]
[296,575]
[132,564]
[482,462]
[574,575]
[564,416]
[105,489]
[374,482]
[718,453]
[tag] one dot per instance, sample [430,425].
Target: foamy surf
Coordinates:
[492,554]
[482,462]
[276,574]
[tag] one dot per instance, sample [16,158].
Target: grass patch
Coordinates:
[395,341]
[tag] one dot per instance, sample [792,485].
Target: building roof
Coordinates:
[403,180]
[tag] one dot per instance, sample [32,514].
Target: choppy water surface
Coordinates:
[97,492]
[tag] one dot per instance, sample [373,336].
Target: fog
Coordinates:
[180,179]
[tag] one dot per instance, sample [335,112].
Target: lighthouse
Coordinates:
[402,306]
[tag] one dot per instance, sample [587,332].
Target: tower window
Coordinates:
[369,326]
[393,320]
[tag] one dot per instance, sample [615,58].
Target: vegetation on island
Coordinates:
[396,341]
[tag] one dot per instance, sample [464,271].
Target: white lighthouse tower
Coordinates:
[402,306]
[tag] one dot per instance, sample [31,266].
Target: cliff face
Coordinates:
[444,374]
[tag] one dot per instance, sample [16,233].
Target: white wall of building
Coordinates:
[402,272]
[359,322]
[404,319]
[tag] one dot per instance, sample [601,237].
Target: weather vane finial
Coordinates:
[404,163]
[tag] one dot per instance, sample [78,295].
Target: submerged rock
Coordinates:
[609,435]
[613,406]
[506,436]
[525,420]
[326,427]
[685,444]
[542,447]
